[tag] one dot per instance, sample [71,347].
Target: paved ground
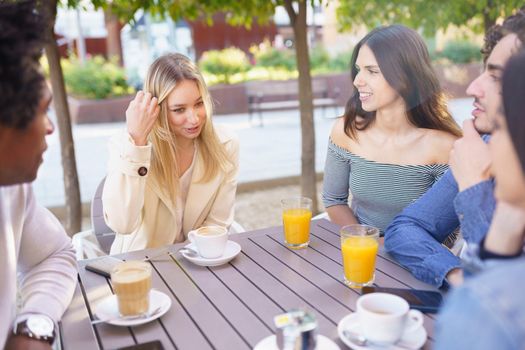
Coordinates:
[269,152]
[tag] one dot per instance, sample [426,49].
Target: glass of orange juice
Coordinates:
[297,213]
[359,245]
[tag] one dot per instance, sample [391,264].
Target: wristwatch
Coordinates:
[36,326]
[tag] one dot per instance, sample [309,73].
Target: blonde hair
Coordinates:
[163,77]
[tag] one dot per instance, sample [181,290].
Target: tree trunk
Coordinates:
[308,178]
[113,42]
[67,147]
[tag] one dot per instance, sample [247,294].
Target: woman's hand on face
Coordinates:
[141,115]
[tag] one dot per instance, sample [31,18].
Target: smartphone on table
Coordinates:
[103,266]
[422,300]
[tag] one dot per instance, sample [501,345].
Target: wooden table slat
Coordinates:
[75,327]
[201,310]
[277,291]
[247,324]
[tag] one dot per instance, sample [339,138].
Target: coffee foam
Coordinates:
[130,275]
[210,231]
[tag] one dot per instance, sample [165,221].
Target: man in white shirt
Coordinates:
[33,245]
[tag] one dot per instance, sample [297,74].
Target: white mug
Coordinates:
[209,240]
[384,318]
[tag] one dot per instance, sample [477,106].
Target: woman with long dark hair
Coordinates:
[394,138]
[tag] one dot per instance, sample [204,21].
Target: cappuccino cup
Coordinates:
[209,240]
[384,318]
[131,281]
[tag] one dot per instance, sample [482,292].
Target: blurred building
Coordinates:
[333,40]
[222,35]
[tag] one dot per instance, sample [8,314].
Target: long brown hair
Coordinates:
[404,61]
[514,103]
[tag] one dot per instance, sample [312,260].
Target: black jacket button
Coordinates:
[143,171]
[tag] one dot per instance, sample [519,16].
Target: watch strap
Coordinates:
[21,328]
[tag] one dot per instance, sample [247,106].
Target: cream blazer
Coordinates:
[141,211]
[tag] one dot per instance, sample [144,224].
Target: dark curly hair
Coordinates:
[513,24]
[21,80]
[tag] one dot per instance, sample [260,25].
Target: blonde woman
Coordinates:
[173,170]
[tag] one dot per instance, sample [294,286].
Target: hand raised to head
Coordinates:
[141,115]
[470,158]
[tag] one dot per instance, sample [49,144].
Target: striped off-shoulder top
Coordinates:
[379,191]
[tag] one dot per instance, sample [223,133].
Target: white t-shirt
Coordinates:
[184,187]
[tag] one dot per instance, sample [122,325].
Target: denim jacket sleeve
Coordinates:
[414,237]
[475,207]
[492,301]
[336,177]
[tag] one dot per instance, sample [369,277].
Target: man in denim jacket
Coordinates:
[492,300]
[464,196]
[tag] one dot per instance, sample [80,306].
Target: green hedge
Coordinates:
[275,58]
[97,78]
[224,63]
[460,52]
[231,65]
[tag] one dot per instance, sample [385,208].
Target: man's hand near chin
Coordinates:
[455,277]
[470,158]
[21,342]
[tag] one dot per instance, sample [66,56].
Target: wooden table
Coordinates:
[232,306]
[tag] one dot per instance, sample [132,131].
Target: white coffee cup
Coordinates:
[384,318]
[209,240]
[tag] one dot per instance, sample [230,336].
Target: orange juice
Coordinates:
[359,258]
[297,226]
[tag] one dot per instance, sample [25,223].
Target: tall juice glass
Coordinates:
[359,245]
[297,213]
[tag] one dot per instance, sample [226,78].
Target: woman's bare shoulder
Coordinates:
[338,135]
[439,144]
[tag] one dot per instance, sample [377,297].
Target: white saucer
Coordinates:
[411,340]
[323,343]
[107,309]
[231,251]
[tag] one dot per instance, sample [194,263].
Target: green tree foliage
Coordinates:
[427,14]
[237,12]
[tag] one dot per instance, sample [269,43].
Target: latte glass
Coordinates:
[131,282]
